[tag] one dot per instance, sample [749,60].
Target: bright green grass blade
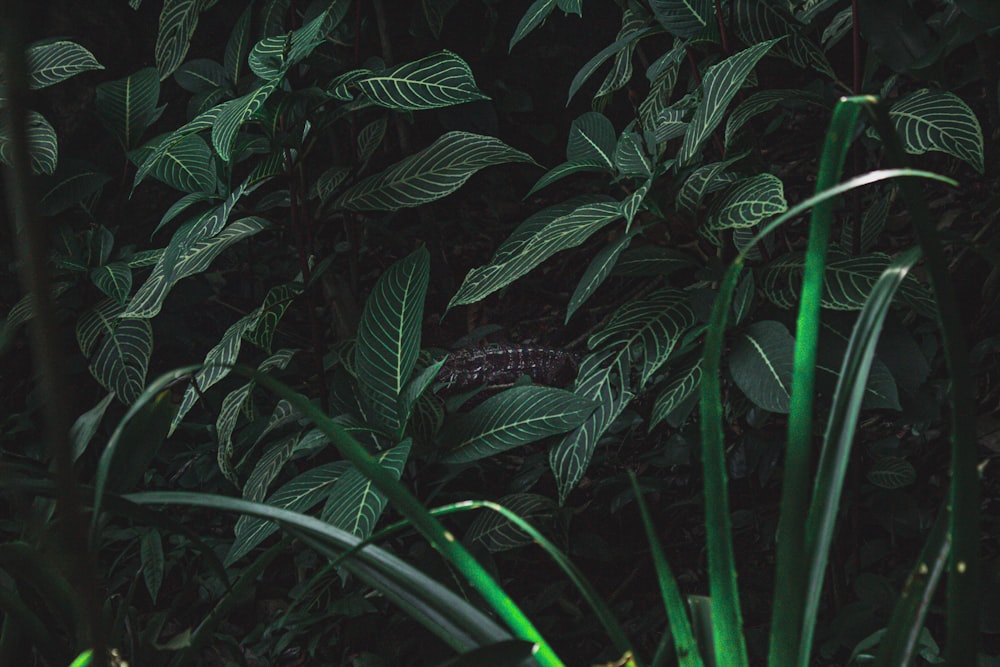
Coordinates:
[684,642]
[790,591]
[963,565]
[410,507]
[82,660]
[840,430]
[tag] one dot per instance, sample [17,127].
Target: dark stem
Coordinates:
[722,28]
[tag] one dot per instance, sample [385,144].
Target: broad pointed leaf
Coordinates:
[746,203]
[73,181]
[43,146]
[389,339]
[187,166]
[234,113]
[565,169]
[684,18]
[370,138]
[534,17]
[431,174]
[200,75]
[50,63]
[930,120]
[592,139]
[355,505]
[497,533]
[761,365]
[760,20]
[114,279]
[178,20]
[121,358]
[598,269]
[204,121]
[651,261]
[515,417]
[439,80]
[702,181]
[682,386]
[238,46]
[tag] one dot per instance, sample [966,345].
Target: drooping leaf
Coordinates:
[152,560]
[720,84]
[630,207]
[121,358]
[299,495]
[545,233]
[761,364]
[682,386]
[515,417]
[497,533]
[565,169]
[592,139]
[178,20]
[43,145]
[439,80]
[85,426]
[930,120]
[598,269]
[684,18]
[388,339]
[747,203]
[431,174]
[635,20]
[48,64]
[355,505]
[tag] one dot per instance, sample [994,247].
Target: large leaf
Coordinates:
[603,378]
[929,120]
[199,256]
[388,339]
[497,533]
[50,63]
[120,360]
[234,113]
[43,146]
[513,418]
[178,20]
[187,165]
[761,365]
[298,495]
[759,20]
[127,106]
[272,56]
[746,203]
[439,80]
[203,121]
[545,233]
[684,18]
[651,327]
[355,504]
[434,172]
[592,139]
[719,85]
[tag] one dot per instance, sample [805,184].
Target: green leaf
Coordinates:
[388,339]
[534,17]
[928,120]
[702,181]
[85,426]
[515,417]
[720,84]
[563,170]
[298,495]
[187,166]
[355,505]
[439,80]
[276,302]
[592,139]
[651,261]
[603,378]
[545,233]
[662,75]
[152,560]
[743,297]
[682,386]
[760,20]
[114,279]
[73,181]
[234,113]
[268,465]
[684,18]
[651,326]
[598,269]
[630,156]
[891,472]
[670,124]
[178,20]
[43,146]
[497,533]
[238,46]
[761,101]
[48,64]
[761,365]
[370,138]
[204,121]
[632,30]
[201,75]
[198,257]
[120,360]
[746,203]
[431,174]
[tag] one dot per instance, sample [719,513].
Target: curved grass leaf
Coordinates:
[120,360]
[542,235]
[439,80]
[388,340]
[114,279]
[43,145]
[194,259]
[534,17]
[516,417]
[431,174]
[187,166]
[746,203]
[598,269]
[603,378]
[720,84]
[507,653]
[497,533]
[48,64]
[928,120]
[684,18]
[127,106]
[592,139]
[761,365]
[178,20]
[355,504]
[682,386]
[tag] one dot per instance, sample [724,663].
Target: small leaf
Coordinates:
[439,80]
[684,18]
[515,417]
[599,269]
[153,562]
[86,425]
[939,121]
[48,64]
[630,156]
[592,139]
[743,297]
[276,302]
[370,138]
[534,17]
[204,121]
[682,386]
[891,472]
[747,203]
[761,365]
[497,533]
[651,261]
[431,174]
[114,279]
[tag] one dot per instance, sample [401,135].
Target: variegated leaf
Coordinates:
[48,64]
[684,18]
[891,472]
[930,120]
[556,228]
[439,80]
[872,223]
[276,302]
[234,113]
[238,46]
[761,365]
[370,138]
[702,181]
[515,417]
[114,279]
[682,386]
[187,166]
[662,75]
[497,533]
[268,466]
[431,174]
[592,139]
[43,145]
[388,339]
[204,121]
[73,181]
[631,159]
[565,169]
[534,17]
[121,359]
[746,203]
[200,75]
[178,20]
[760,102]
[670,124]
[651,261]
[355,505]
[720,84]
[760,20]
